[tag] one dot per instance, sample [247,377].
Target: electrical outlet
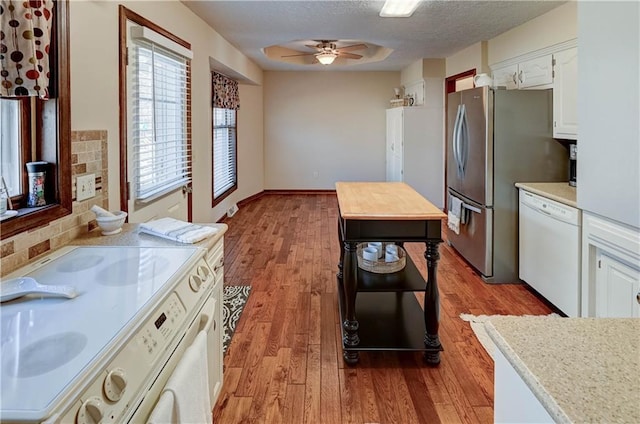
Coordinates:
[85,187]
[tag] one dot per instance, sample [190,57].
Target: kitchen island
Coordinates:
[579,370]
[380,311]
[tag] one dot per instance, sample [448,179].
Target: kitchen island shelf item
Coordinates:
[380,311]
[381,266]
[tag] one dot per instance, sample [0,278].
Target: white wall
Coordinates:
[609,110]
[329,123]
[555,26]
[471,57]
[94,89]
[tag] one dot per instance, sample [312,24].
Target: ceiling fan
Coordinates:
[327,51]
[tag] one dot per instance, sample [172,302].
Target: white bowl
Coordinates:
[111,224]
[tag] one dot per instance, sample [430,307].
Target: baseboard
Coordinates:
[260,194]
[250,198]
[300,191]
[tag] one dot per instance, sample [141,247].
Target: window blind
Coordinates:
[224,150]
[161,153]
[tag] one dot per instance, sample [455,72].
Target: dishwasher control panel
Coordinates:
[551,207]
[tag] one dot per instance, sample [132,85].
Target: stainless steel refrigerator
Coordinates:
[496,138]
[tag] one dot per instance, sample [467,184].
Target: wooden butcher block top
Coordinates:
[384,201]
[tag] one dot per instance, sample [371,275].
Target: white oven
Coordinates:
[106,355]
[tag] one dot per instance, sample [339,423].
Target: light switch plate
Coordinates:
[85,187]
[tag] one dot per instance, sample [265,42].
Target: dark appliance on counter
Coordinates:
[496,138]
[573,164]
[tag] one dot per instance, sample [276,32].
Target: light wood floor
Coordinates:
[285,363]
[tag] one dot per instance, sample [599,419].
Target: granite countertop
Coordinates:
[560,192]
[580,369]
[130,236]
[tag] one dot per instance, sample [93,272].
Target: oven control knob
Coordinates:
[91,411]
[195,282]
[203,272]
[114,384]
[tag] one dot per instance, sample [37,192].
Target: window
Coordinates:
[224,153]
[11,141]
[158,76]
[35,129]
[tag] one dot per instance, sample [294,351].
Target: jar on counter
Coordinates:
[37,171]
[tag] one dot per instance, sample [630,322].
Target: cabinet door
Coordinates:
[565,94]
[506,77]
[535,72]
[617,288]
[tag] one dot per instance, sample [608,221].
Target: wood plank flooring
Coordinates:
[284,364]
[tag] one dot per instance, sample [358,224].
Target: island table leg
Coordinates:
[432,305]
[350,287]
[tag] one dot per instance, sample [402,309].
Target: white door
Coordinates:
[394,144]
[151,147]
[617,289]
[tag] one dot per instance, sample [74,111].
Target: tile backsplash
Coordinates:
[88,156]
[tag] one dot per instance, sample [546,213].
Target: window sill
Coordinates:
[31,218]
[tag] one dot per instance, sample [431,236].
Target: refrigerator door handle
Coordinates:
[471,208]
[463,136]
[456,138]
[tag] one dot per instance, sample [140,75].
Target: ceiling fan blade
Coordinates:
[312,46]
[352,47]
[299,54]
[349,55]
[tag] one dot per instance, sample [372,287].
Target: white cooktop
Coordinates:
[48,343]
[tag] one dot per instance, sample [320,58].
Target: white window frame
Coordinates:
[157,110]
[225,153]
[11,146]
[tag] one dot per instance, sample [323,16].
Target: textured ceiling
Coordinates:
[437,29]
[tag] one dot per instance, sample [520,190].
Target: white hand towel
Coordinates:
[164,412]
[190,386]
[453,217]
[174,229]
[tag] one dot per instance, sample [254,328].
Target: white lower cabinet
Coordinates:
[610,268]
[514,402]
[617,288]
[215,259]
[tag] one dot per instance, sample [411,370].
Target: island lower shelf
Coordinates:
[387,321]
[407,279]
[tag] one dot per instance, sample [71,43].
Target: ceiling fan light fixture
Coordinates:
[399,8]
[326,58]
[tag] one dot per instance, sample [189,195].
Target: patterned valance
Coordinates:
[225,92]
[25,38]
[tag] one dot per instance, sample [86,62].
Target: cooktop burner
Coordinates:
[48,342]
[45,354]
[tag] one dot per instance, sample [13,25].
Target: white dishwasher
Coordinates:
[550,250]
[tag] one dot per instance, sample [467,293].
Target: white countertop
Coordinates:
[580,369]
[130,236]
[560,192]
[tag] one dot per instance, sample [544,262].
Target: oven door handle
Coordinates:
[206,315]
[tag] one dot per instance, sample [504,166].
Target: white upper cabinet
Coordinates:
[531,73]
[535,72]
[565,94]
[506,77]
